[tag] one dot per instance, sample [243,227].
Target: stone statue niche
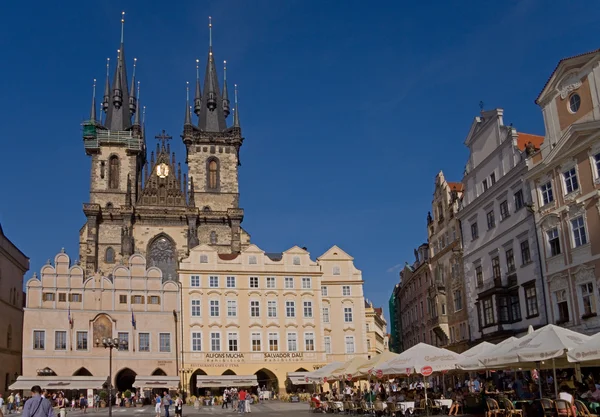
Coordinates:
[102,328]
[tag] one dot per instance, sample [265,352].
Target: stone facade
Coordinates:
[503,276]
[415,281]
[68,313]
[376,328]
[13,265]
[565,190]
[447,298]
[269,314]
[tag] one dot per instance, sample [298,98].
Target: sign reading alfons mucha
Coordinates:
[229,358]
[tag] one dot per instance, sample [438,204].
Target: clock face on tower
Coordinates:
[162,170]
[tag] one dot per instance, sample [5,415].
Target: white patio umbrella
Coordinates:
[469,359]
[475,362]
[372,365]
[320,375]
[418,357]
[587,351]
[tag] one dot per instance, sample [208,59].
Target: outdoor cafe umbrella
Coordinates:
[348,370]
[471,359]
[372,365]
[320,375]
[548,342]
[587,351]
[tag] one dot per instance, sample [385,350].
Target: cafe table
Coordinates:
[406,405]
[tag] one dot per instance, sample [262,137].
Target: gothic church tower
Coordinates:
[149,207]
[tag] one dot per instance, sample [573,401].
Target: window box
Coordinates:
[588,316]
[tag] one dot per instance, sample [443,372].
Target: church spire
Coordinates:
[117,115]
[225,95]
[209,119]
[188,116]
[106,98]
[136,121]
[198,95]
[133,98]
[93,110]
[236,114]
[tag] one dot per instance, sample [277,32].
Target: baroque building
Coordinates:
[146,206]
[376,330]
[565,189]
[13,265]
[503,275]
[269,315]
[68,313]
[446,299]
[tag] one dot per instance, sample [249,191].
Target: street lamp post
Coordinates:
[110,344]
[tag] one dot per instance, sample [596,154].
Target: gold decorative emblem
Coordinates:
[162,170]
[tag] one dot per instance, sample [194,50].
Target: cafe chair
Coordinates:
[433,407]
[510,410]
[564,408]
[549,407]
[379,408]
[582,409]
[392,409]
[493,409]
[419,407]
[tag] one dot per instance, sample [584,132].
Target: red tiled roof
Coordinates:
[379,311]
[558,65]
[455,186]
[228,256]
[524,138]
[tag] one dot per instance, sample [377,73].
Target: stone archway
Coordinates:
[194,390]
[301,370]
[124,379]
[162,254]
[229,372]
[82,372]
[159,371]
[268,379]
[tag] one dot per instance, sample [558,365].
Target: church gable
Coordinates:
[163,186]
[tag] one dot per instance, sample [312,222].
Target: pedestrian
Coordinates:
[17,401]
[1,403]
[247,402]
[225,397]
[242,401]
[157,406]
[11,402]
[167,402]
[37,405]
[83,404]
[62,405]
[178,405]
[96,402]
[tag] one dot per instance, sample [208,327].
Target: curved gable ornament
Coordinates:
[550,221]
[568,85]
[557,282]
[584,274]
[163,255]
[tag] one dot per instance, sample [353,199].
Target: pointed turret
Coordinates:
[191,202]
[106,99]
[236,114]
[118,116]
[93,110]
[136,121]
[209,119]
[133,98]
[188,117]
[225,94]
[198,95]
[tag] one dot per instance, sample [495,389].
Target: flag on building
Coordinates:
[132,320]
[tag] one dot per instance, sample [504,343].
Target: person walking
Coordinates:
[247,402]
[17,401]
[167,402]
[11,402]
[178,405]
[96,402]
[242,401]
[62,405]
[37,405]
[157,406]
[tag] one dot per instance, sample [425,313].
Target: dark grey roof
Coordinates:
[119,118]
[274,256]
[211,121]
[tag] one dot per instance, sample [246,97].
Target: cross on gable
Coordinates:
[163,137]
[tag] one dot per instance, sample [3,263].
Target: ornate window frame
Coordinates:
[563,168]
[575,211]
[548,223]
[594,150]
[218,179]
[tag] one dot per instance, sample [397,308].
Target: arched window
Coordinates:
[110,255]
[9,337]
[162,254]
[113,172]
[213,174]
[213,238]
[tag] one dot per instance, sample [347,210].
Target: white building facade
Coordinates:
[503,279]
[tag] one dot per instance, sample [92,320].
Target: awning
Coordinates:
[207,381]
[56,383]
[298,378]
[156,381]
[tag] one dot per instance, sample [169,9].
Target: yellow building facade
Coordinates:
[269,314]
[376,329]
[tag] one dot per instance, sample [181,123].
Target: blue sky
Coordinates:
[349,108]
